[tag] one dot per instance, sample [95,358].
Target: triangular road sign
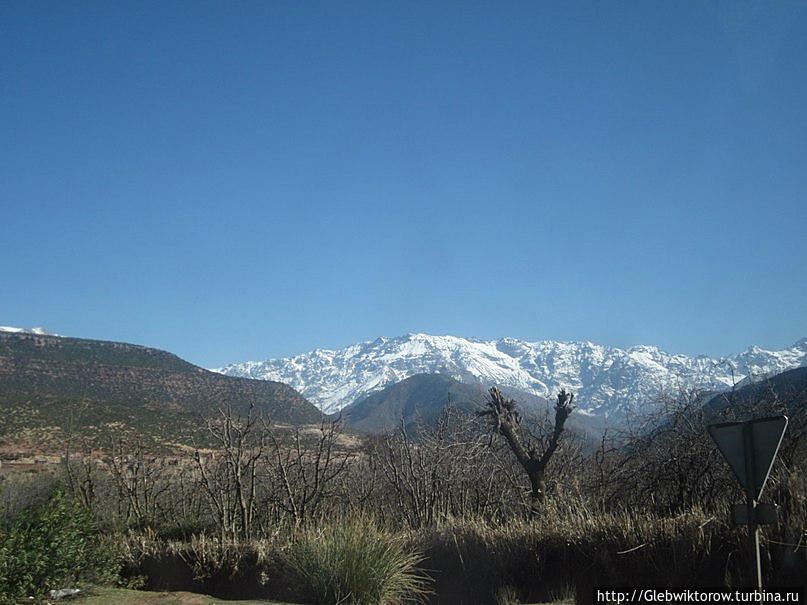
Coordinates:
[750,448]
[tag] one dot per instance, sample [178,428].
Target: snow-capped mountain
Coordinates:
[607,380]
[40,331]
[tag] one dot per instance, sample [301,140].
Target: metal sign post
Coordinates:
[750,449]
[751,503]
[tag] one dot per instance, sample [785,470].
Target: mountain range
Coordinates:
[608,381]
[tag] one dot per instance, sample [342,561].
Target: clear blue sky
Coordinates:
[236,180]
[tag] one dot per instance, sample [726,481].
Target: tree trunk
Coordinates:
[537,490]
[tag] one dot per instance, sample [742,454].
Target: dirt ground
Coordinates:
[116,596]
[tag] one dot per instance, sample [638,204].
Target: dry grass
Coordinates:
[567,552]
[205,564]
[556,558]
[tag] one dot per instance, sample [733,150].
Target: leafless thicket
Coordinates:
[259,480]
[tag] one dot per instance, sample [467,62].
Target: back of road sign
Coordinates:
[761,438]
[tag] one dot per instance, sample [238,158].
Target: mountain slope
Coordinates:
[417,399]
[785,392]
[609,381]
[51,385]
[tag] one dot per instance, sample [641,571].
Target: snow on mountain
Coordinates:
[40,331]
[607,380]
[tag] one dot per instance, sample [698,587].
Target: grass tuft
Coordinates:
[358,563]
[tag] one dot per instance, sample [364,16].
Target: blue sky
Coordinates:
[240,180]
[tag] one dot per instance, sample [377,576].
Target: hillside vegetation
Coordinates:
[51,387]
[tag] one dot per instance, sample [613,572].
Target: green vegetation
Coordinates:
[355,562]
[50,546]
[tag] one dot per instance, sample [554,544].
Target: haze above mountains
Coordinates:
[608,380]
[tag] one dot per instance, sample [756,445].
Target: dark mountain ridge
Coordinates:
[785,392]
[418,399]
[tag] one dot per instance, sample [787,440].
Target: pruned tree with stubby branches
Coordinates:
[532,452]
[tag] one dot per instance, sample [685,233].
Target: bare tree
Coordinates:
[670,464]
[532,451]
[139,480]
[437,472]
[228,474]
[306,473]
[82,475]
[415,475]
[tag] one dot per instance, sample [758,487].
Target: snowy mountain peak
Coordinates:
[36,330]
[607,380]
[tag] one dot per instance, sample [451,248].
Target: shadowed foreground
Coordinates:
[105,596]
